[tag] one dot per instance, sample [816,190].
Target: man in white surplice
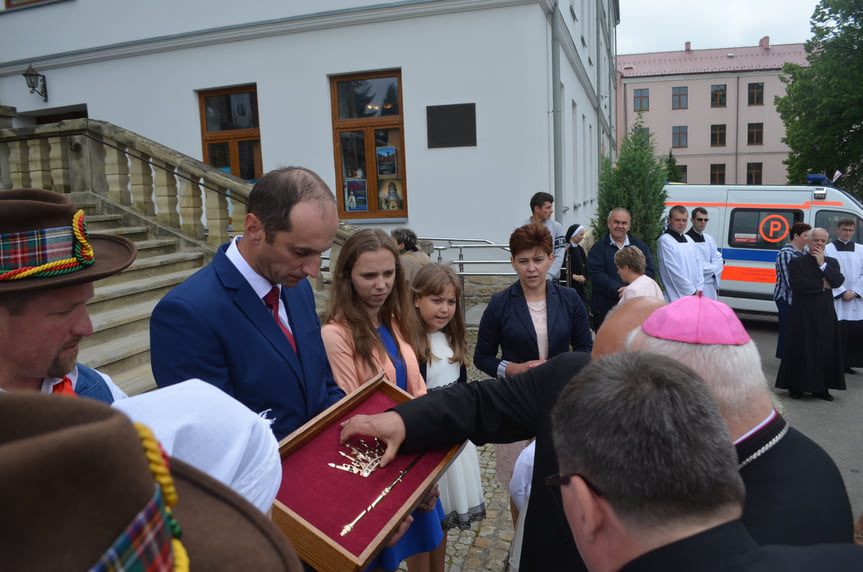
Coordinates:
[679,262]
[711,259]
[846,298]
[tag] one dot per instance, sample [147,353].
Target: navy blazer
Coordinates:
[214,327]
[506,324]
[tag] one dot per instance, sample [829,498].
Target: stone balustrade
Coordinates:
[92,155]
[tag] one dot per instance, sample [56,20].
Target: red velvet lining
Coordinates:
[329,498]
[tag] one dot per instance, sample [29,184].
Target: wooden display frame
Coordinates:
[326,551]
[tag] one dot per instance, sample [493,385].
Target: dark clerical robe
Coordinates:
[812,357]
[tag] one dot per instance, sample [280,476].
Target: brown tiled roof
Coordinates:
[710,61]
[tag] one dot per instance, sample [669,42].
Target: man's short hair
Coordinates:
[818,229]
[846,221]
[406,237]
[677,209]
[698,211]
[616,209]
[732,373]
[539,199]
[645,431]
[276,193]
[631,257]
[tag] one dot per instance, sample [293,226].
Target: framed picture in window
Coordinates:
[356,195]
[386,159]
[391,194]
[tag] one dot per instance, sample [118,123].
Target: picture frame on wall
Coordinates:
[356,195]
[387,161]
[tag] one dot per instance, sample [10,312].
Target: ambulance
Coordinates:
[750,223]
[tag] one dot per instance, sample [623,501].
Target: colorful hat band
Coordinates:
[145,544]
[46,252]
[151,541]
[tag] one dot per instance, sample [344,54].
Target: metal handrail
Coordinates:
[459,264]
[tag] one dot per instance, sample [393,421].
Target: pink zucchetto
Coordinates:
[696,320]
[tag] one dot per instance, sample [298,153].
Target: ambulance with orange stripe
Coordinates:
[750,224]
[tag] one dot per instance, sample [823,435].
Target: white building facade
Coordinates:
[440,115]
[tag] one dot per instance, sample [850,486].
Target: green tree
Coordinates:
[823,105]
[672,173]
[635,182]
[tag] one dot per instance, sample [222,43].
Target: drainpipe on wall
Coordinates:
[737,135]
[598,90]
[556,116]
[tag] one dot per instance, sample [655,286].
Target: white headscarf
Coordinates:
[205,427]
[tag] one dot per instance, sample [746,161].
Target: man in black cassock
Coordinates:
[812,357]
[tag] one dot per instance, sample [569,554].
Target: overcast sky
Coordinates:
[666,25]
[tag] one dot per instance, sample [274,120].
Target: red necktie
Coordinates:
[64,387]
[272,302]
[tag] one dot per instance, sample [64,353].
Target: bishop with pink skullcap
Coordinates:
[696,320]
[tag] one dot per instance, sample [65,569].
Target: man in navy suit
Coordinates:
[606,283]
[217,326]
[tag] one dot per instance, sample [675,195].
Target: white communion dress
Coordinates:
[461,485]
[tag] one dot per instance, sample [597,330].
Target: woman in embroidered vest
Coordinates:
[368,311]
[531,321]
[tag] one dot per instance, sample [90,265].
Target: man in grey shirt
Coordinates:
[542,207]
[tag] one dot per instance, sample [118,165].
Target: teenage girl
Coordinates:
[368,311]
[441,348]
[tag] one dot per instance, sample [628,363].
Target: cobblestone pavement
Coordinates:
[485,545]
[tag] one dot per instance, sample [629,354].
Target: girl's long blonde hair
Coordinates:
[430,281]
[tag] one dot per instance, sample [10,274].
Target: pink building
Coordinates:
[712,108]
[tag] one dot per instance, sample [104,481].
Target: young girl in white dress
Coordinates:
[441,349]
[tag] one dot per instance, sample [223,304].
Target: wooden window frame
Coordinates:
[717,135]
[755,134]
[683,171]
[641,99]
[680,100]
[756,93]
[368,125]
[234,136]
[717,172]
[679,136]
[9,5]
[754,170]
[719,95]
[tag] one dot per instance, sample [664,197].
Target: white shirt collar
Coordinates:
[48,383]
[757,428]
[625,241]
[259,284]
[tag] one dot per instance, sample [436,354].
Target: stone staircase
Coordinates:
[121,307]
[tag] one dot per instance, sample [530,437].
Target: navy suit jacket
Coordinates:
[214,327]
[506,323]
